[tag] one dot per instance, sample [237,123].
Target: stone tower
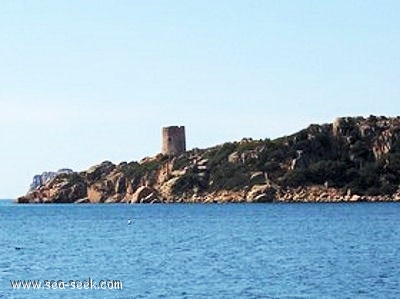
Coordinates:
[173,140]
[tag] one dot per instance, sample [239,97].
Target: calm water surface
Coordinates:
[204,251]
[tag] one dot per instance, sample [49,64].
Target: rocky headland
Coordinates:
[351,160]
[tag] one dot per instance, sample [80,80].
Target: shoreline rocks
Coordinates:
[257,194]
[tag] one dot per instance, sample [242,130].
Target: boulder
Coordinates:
[143,194]
[355,198]
[257,178]
[261,193]
[234,158]
[69,194]
[202,168]
[100,191]
[95,195]
[202,162]
[82,200]
[151,198]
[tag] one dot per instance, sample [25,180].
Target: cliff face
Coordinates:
[353,159]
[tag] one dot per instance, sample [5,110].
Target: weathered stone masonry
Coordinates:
[173,140]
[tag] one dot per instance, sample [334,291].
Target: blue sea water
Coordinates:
[204,251]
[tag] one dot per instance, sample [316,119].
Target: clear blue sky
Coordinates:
[87,81]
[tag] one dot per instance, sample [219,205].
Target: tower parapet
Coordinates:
[173,140]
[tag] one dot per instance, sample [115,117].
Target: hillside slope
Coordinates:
[353,159]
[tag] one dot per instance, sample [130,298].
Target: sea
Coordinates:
[200,250]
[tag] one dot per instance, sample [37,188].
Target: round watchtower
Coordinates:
[173,140]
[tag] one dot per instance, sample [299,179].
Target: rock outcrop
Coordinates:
[262,193]
[64,188]
[352,160]
[42,179]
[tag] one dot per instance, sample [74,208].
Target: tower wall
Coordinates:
[173,140]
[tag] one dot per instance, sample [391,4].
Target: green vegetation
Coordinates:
[72,178]
[188,182]
[181,162]
[135,171]
[219,154]
[348,164]
[248,146]
[370,178]
[224,174]
[229,176]
[151,166]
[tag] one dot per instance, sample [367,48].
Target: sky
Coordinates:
[86,81]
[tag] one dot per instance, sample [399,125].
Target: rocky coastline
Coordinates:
[354,159]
